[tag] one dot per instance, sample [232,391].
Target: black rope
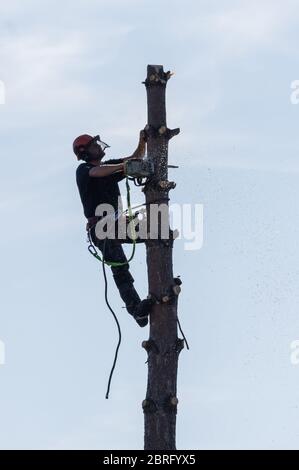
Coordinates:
[182,333]
[116,321]
[139,180]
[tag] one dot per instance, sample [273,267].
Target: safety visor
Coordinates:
[98,140]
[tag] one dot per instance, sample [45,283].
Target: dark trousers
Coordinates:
[112,250]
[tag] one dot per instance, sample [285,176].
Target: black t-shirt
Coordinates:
[94,191]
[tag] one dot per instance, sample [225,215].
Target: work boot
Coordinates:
[139,309]
[142,311]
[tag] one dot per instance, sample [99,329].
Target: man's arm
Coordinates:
[105,170]
[140,150]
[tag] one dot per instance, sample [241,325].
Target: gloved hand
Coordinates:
[140,151]
[142,136]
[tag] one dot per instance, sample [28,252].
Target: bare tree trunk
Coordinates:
[163,346]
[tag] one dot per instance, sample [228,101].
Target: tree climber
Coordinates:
[98,184]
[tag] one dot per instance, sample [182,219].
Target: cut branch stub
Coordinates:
[179,345]
[171,404]
[176,289]
[162,131]
[150,345]
[156,76]
[166,185]
[149,406]
[172,132]
[178,281]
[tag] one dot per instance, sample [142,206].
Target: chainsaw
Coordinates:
[137,168]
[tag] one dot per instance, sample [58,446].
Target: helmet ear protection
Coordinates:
[83,154]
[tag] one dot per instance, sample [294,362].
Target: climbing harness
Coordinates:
[91,247]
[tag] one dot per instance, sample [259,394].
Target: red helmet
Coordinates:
[82,142]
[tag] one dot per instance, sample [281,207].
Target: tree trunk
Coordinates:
[163,346]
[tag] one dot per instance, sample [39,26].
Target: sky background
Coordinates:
[76,67]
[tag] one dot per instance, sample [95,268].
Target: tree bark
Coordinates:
[163,346]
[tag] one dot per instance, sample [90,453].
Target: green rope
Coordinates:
[92,248]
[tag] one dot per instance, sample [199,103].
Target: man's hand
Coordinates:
[140,150]
[142,136]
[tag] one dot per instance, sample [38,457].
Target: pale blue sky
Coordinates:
[75,67]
